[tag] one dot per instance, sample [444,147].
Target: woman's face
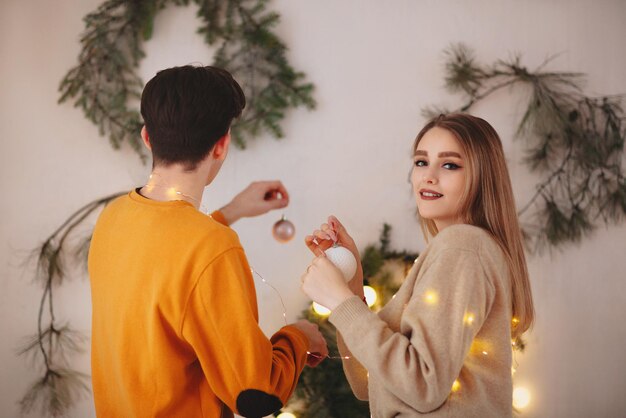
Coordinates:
[438,177]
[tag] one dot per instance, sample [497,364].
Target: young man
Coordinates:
[175,323]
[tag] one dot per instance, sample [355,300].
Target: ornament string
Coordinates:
[282,302]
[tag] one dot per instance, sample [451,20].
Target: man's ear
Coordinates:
[145,138]
[220,150]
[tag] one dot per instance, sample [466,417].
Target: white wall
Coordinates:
[375,64]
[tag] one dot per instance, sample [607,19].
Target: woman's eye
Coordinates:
[451,166]
[420,163]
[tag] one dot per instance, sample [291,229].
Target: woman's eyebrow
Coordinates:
[443,154]
[449,154]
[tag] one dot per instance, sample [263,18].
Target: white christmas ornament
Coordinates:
[344,260]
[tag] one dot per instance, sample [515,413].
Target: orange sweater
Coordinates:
[175,323]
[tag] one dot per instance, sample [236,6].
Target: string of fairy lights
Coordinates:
[285,315]
[521,395]
[283,231]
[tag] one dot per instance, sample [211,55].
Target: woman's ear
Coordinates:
[145,137]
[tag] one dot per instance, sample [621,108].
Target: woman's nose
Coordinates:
[429,178]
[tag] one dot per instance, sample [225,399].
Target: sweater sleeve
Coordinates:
[218,216]
[420,363]
[252,375]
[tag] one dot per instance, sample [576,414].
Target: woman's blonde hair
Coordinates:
[488,203]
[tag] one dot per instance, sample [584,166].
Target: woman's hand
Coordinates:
[324,283]
[334,232]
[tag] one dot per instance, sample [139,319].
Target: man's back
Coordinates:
[174,330]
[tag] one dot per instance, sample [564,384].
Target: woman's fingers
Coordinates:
[312,244]
[321,234]
[318,242]
[327,229]
[334,223]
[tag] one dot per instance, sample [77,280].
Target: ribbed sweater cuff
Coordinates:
[290,329]
[298,338]
[350,312]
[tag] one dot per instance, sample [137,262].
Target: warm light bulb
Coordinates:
[320,310]
[286,415]
[468,318]
[521,397]
[430,297]
[456,386]
[370,295]
[172,192]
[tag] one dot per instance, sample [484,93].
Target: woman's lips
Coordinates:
[426,194]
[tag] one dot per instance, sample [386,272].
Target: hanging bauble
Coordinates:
[283,230]
[343,259]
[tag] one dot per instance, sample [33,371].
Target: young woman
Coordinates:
[442,346]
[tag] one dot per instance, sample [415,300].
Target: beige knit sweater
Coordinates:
[450,320]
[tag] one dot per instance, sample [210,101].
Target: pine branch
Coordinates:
[252,52]
[58,389]
[55,393]
[105,80]
[576,141]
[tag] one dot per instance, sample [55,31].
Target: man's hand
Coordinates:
[318,350]
[258,198]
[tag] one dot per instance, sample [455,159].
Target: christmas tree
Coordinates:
[324,391]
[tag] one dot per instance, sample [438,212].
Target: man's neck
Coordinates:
[175,183]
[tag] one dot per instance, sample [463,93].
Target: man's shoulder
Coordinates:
[177,224]
[203,228]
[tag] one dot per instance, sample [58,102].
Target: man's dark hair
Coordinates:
[186,110]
